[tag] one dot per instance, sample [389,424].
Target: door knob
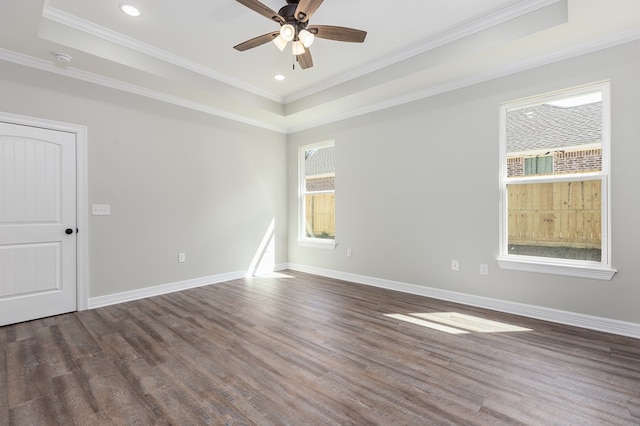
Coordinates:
[68,231]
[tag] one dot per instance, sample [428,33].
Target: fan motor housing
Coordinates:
[289,11]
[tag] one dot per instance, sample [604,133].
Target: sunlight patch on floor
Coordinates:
[427,324]
[457,323]
[272,275]
[470,322]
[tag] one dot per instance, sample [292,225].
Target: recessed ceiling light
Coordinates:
[130,10]
[279,77]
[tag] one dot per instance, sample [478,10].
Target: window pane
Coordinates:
[319,169]
[317,195]
[320,221]
[558,219]
[559,137]
[538,165]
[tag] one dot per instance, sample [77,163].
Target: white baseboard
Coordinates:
[127,296]
[622,328]
[612,326]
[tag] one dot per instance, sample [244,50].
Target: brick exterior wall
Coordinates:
[321,184]
[577,161]
[585,160]
[515,166]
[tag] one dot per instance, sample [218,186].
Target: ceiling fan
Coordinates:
[294,27]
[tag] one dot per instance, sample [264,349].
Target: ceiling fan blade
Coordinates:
[257,41]
[338,33]
[306,8]
[305,60]
[262,9]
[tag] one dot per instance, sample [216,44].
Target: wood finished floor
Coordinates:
[305,350]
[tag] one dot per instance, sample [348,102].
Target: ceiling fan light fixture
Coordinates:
[293,20]
[306,38]
[280,42]
[297,48]
[287,32]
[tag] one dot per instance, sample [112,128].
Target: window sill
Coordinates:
[580,270]
[319,243]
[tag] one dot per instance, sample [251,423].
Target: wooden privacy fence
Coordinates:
[320,216]
[559,214]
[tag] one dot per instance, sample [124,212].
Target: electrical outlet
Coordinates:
[182,257]
[455,265]
[484,269]
[348,252]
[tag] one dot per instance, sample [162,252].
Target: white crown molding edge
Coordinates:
[87,27]
[622,38]
[622,328]
[439,40]
[619,39]
[451,35]
[31,62]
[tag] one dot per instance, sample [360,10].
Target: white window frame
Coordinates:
[576,268]
[303,239]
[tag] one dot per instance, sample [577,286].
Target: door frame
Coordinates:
[81,193]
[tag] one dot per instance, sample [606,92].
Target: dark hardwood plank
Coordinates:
[73,399]
[303,349]
[37,411]
[109,388]
[4,377]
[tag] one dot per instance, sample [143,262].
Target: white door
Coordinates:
[37,223]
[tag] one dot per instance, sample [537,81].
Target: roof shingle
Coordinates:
[549,127]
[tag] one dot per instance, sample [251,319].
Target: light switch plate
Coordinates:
[101,209]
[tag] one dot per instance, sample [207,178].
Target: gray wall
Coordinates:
[181,181]
[177,181]
[417,186]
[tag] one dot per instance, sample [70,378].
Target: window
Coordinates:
[317,195]
[555,183]
[538,165]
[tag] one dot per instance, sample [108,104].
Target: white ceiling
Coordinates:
[181,52]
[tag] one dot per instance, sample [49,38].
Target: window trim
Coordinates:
[567,267]
[303,240]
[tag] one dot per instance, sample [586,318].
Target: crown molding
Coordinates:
[448,36]
[90,28]
[503,15]
[619,39]
[29,61]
